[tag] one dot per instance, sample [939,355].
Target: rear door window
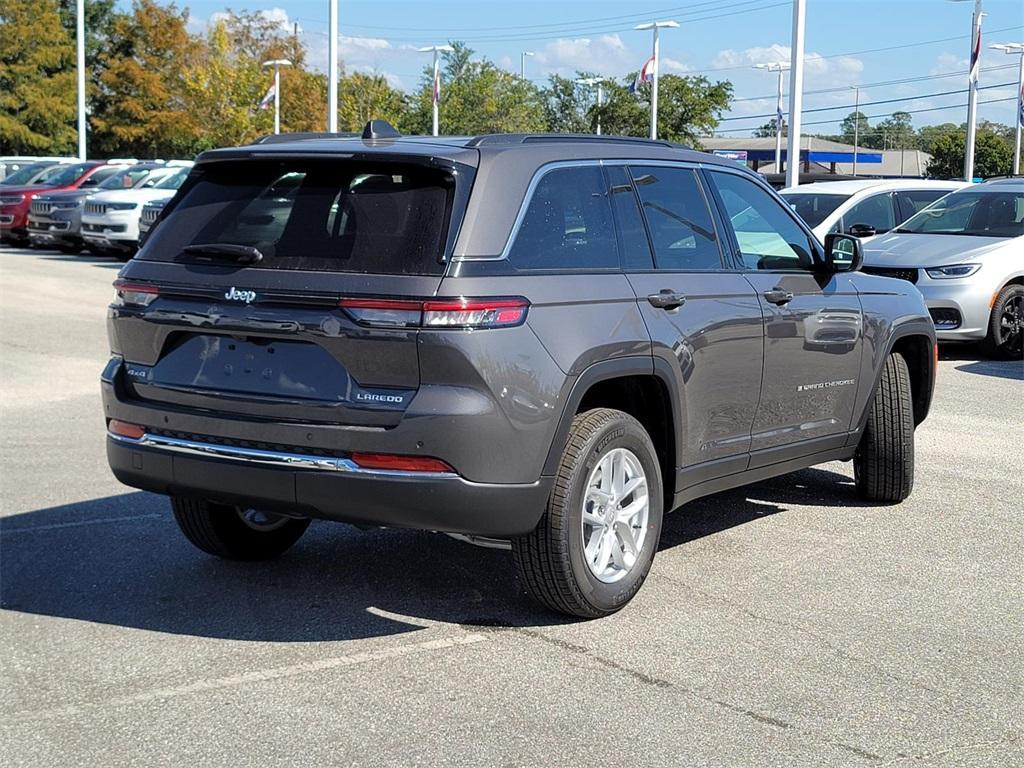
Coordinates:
[343,217]
[567,224]
[678,218]
[875,211]
[913,200]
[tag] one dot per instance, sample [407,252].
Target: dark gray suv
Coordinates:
[534,341]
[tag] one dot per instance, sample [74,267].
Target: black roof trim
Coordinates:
[286,138]
[494,139]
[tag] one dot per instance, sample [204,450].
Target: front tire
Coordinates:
[234,533]
[883,466]
[594,546]
[1005,339]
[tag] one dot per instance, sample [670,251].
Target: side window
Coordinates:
[635,248]
[680,223]
[768,236]
[913,200]
[876,211]
[568,223]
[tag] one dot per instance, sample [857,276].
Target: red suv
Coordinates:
[16,200]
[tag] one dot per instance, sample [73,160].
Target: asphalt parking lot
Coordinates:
[785,624]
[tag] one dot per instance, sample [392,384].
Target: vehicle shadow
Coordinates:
[120,560]
[1003,369]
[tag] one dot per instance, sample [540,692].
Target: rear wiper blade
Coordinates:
[243,254]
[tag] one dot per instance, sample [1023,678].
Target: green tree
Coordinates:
[768,130]
[476,97]
[37,79]
[895,132]
[688,107]
[567,105]
[363,97]
[854,125]
[143,108]
[993,154]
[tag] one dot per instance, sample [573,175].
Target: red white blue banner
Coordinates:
[645,75]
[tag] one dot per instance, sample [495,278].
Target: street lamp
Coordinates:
[522,63]
[856,124]
[590,82]
[332,66]
[277,64]
[972,93]
[780,67]
[437,75]
[80,61]
[1016,49]
[796,93]
[655,26]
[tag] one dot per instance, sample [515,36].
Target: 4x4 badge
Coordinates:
[236,295]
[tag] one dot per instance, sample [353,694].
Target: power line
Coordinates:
[873,103]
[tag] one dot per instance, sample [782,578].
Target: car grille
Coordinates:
[99,208]
[149,214]
[910,275]
[41,207]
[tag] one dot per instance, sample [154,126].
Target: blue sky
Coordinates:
[717,38]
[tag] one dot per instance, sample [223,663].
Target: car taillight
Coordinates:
[400,463]
[437,313]
[134,294]
[125,429]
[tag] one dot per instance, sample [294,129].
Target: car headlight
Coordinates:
[122,206]
[11,199]
[955,270]
[68,205]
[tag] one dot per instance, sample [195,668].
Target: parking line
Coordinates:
[247,678]
[4,530]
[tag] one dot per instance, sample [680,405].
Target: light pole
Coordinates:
[1016,49]
[277,64]
[972,89]
[332,66]
[80,60]
[856,124]
[655,26]
[796,93]
[522,63]
[437,75]
[590,82]
[780,67]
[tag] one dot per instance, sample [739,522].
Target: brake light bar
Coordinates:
[134,294]
[438,313]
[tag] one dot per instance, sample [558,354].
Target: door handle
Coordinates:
[666,298]
[778,296]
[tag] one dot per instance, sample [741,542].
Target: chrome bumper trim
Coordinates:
[260,457]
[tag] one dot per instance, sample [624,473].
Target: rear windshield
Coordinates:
[814,208]
[335,216]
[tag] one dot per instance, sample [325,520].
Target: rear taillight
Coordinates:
[399,463]
[437,313]
[134,294]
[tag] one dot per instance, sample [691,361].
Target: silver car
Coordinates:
[965,254]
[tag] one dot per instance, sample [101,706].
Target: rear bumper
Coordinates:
[328,488]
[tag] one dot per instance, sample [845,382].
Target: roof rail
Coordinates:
[493,139]
[284,138]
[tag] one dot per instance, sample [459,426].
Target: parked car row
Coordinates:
[960,244]
[93,204]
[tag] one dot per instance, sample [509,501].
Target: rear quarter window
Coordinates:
[328,216]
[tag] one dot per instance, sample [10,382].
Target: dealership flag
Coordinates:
[645,75]
[269,98]
[1021,102]
[976,49]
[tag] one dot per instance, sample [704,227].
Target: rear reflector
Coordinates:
[440,313]
[135,294]
[124,429]
[400,463]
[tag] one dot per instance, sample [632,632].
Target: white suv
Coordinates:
[863,207]
[110,221]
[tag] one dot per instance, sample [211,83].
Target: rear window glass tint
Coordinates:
[326,216]
[568,224]
[678,218]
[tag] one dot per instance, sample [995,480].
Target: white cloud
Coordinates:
[674,65]
[605,55]
[353,44]
[277,16]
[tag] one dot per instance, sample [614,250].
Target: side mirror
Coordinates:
[862,230]
[843,253]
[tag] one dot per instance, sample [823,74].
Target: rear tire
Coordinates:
[224,531]
[589,555]
[1005,340]
[883,466]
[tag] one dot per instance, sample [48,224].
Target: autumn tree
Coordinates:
[143,108]
[363,97]
[37,79]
